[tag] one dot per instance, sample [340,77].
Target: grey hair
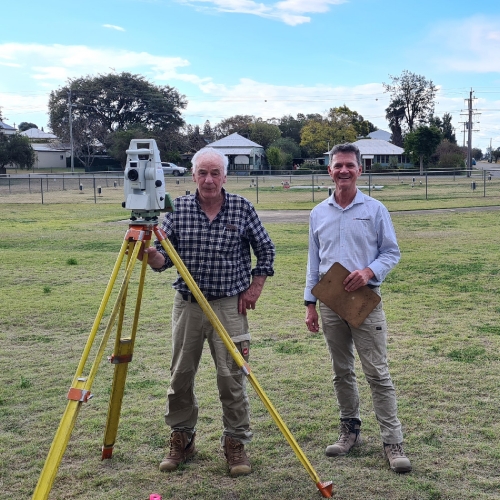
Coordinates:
[347,147]
[213,153]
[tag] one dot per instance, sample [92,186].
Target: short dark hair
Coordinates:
[347,147]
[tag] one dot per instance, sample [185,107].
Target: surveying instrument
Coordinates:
[146,197]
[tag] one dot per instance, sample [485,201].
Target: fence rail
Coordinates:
[103,187]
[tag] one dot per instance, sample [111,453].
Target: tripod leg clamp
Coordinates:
[122,358]
[79,394]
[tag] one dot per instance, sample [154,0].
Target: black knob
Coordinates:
[158,183]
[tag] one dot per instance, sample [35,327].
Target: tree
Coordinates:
[264,133]
[415,93]
[317,136]
[287,145]
[421,144]
[449,156]
[276,158]
[16,149]
[237,123]
[477,154]
[118,142]
[445,126]
[395,114]
[26,126]
[290,127]
[103,104]
[343,116]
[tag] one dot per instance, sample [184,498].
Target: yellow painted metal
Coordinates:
[123,347]
[67,423]
[233,350]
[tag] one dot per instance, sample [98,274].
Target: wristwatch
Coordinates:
[308,302]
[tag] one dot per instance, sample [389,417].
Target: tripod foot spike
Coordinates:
[326,489]
[107,452]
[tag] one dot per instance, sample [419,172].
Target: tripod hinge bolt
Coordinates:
[82,395]
[116,360]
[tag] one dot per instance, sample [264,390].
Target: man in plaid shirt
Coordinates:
[213,232]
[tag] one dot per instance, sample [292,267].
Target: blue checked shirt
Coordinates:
[217,253]
[358,236]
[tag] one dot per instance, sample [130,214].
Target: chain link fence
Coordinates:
[269,191]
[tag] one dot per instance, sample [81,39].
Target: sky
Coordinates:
[267,59]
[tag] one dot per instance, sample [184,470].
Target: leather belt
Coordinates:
[190,298]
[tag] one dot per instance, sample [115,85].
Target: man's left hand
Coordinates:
[249,297]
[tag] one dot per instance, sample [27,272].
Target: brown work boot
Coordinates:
[237,459]
[181,450]
[397,458]
[349,436]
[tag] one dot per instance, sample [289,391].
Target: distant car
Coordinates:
[172,168]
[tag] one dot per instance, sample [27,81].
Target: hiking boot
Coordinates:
[181,450]
[397,458]
[349,436]
[237,459]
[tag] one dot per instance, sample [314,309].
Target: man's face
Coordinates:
[344,170]
[209,176]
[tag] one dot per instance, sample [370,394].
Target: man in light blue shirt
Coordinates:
[356,231]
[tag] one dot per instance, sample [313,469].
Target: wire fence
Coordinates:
[268,190]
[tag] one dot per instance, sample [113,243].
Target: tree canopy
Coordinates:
[237,123]
[422,143]
[264,133]
[26,126]
[415,94]
[16,149]
[106,103]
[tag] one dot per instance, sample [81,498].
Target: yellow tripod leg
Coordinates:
[79,391]
[325,488]
[122,355]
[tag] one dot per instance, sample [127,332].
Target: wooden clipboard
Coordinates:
[353,307]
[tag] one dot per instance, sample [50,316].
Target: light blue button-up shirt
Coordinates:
[358,236]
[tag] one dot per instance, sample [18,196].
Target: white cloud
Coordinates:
[113,27]
[288,11]
[466,45]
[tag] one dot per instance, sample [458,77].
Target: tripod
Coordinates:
[139,236]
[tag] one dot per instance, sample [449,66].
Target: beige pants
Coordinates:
[190,328]
[370,341]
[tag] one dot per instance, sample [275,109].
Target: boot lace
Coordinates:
[395,450]
[176,447]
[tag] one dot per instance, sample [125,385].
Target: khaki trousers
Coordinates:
[370,341]
[190,328]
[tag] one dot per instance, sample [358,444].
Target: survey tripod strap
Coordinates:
[325,488]
[79,391]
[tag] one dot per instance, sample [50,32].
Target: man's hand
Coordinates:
[357,279]
[155,258]
[249,297]
[312,321]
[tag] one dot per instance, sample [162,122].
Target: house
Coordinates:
[243,154]
[380,134]
[7,129]
[35,134]
[377,151]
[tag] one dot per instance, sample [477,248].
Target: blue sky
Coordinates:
[265,59]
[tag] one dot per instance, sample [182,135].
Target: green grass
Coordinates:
[442,306]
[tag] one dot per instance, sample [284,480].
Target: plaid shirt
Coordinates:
[217,253]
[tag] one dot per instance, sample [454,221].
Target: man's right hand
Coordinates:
[155,258]
[312,320]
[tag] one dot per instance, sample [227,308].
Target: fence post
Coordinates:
[426,177]
[41,187]
[29,183]
[369,184]
[47,181]
[64,177]
[484,183]
[93,181]
[257,189]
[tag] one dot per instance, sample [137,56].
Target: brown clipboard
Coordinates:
[353,307]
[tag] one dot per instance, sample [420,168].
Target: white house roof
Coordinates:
[45,147]
[34,133]
[234,141]
[378,147]
[380,134]
[4,126]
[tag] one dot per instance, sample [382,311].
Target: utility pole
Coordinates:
[469,125]
[71,131]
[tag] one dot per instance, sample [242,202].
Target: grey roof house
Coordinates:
[243,154]
[7,129]
[378,151]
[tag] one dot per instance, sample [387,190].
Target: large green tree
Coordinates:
[237,123]
[421,144]
[317,136]
[395,114]
[445,126]
[343,117]
[416,94]
[264,133]
[16,149]
[103,104]
[26,126]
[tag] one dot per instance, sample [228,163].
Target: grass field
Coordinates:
[443,312]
